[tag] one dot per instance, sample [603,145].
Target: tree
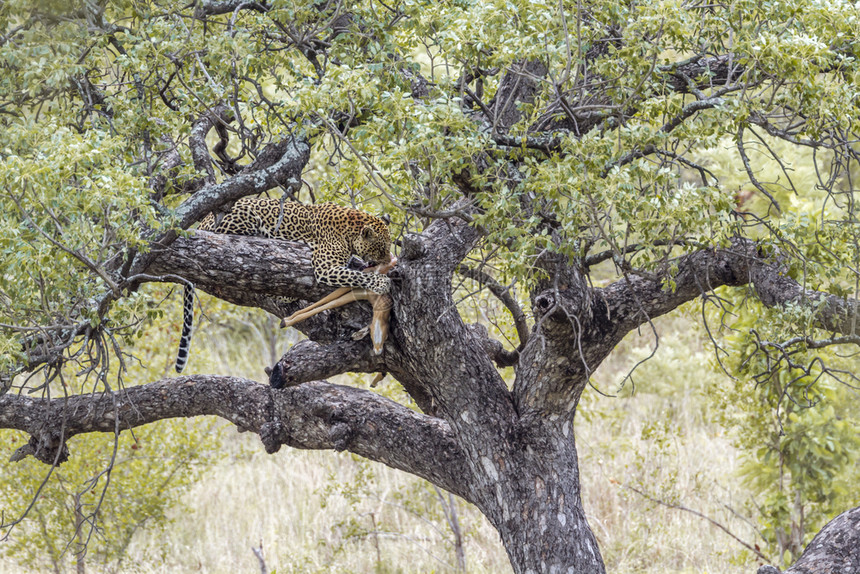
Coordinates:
[531,148]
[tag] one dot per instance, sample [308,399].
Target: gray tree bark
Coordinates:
[834,550]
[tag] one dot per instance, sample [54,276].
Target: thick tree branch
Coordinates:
[286,171]
[562,305]
[257,272]
[236,264]
[216,7]
[635,300]
[309,361]
[573,341]
[197,141]
[315,415]
[554,366]
[518,86]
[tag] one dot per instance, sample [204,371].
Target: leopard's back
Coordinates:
[266,217]
[334,231]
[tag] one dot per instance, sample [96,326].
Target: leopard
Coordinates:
[335,233]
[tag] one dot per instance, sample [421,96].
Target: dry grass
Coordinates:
[656,444]
[657,441]
[277,502]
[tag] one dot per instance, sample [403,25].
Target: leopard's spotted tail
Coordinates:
[187,323]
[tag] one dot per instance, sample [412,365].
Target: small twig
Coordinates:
[700,515]
[746,161]
[504,295]
[258,552]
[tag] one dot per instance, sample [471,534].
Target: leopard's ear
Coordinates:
[386,218]
[368,233]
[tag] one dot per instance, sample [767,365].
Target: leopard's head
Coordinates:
[374,243]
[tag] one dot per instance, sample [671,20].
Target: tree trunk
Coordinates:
[524,469]
[536,506]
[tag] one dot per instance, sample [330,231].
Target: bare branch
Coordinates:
[504,295]
[705,517]
[748,168]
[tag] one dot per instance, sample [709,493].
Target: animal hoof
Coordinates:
[361,333]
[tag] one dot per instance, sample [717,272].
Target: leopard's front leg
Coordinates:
[345,277]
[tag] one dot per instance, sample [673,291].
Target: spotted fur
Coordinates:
[334,233]
[187,326]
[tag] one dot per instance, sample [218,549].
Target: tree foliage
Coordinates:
[561,155]
[795,425]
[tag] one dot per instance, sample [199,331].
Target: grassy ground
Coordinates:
[326,512]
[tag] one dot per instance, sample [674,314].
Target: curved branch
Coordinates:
[315,415]
[286,171]
[573,341]
[197,141]
[748,168]
[503,294]
[634,300]
[706,270]
[308,360]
